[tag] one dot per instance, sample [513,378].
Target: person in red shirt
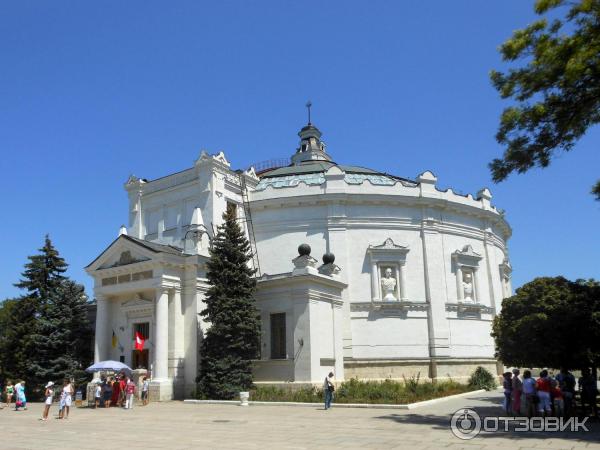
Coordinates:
[559,403]
[129,392]
[122,384]
[543,387]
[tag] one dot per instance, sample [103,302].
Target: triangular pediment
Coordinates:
[123,251]
[137,302]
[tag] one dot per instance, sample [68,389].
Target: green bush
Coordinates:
[355,391]
[482,379]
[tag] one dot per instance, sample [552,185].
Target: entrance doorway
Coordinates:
[139,359]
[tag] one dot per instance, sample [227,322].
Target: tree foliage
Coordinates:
[232,341]
[556,91]
[550,322]
[45,334]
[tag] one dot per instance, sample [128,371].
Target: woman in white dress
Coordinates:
[49,394]
[66,398]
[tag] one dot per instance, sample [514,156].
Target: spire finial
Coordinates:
[308,105]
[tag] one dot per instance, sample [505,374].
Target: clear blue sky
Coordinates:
[93,91]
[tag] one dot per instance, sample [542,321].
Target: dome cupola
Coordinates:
[311,147]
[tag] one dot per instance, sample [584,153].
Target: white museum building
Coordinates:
[395,277]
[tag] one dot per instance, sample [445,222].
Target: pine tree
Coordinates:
[63,335]
[48,335]
[232,340]
[43,273]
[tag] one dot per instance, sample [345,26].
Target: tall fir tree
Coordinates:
[48,324]
[233,339]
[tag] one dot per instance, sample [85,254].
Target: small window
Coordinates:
[278,350]
[122,359]
[232,209]
[142,328]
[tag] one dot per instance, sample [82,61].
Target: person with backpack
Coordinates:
[328,389]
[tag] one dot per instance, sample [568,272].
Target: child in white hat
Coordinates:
[48,394]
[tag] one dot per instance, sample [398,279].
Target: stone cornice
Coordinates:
[308,280]
[170,181]
[389,306]
[469,307]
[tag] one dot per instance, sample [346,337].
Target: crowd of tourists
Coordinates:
[118,391]
[559,396]
[109,391]
[16,392]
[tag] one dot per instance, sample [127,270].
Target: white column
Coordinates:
[436,294]
[136,214]
[375,281]
[460,295]
[102,338]
[176,337]
[161,346]
[402,270]
[476,284]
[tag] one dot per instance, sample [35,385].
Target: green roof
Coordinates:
[315,167]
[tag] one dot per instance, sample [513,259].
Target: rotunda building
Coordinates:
[426,270]
[359,272]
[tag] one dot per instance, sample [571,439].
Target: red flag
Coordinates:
[139,341]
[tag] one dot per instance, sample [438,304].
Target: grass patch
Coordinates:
[375,392]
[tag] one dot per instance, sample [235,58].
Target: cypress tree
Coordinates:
[232,340]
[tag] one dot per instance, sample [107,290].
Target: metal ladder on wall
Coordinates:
[250,227]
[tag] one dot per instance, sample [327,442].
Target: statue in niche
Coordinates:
[467,284]
[388,285]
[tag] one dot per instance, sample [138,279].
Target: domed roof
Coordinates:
[311,161]
[314,167]
[313,173]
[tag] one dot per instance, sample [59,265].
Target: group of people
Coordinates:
[65,399]
[548,396]
[119,391]
[16,392]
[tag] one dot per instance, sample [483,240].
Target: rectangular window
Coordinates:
[232,208]
[143,329]
[278,350]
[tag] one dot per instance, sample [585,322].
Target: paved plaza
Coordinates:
[175,425]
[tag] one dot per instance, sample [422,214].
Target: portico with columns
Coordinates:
[146,287]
